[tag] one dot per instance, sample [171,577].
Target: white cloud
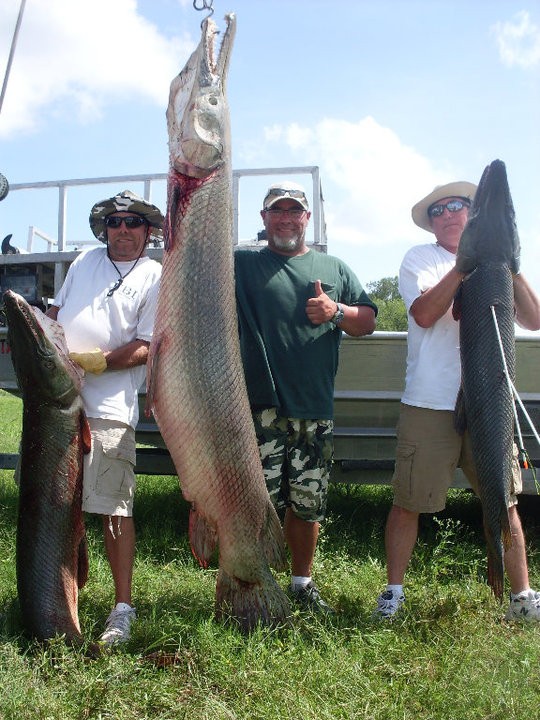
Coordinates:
[518,41]
[371,179]
[87,54]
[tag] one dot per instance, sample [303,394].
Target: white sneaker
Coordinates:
[117,627]
[388,604]
[526,606]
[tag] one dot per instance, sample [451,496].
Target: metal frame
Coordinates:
[319,225]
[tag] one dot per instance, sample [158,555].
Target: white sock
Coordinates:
[397,590]
[513,596]
[122,607]
[299,581]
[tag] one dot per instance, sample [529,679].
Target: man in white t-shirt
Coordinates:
[107,307]
[429,448]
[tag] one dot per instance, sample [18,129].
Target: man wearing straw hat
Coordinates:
[429,448]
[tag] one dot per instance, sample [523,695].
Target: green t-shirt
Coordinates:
[289,363]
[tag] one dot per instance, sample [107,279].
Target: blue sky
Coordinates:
[389,98]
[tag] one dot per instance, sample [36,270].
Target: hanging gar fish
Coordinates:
[196,386]
[52,562]
[489,246]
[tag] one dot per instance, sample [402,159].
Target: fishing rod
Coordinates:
[516,396]
[4,185]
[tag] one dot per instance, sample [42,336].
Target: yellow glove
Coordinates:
[93,361]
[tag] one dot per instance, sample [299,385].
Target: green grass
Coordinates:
[449,656]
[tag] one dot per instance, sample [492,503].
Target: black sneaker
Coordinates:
[309,598]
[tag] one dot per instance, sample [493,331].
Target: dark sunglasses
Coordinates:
[131,221]
[452,205]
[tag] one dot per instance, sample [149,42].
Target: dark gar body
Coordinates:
[196,386]
[51,562]
[490,244]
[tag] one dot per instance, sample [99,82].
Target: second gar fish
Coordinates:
[196,386]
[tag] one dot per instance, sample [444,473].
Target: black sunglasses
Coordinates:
[131,221]
[452,205]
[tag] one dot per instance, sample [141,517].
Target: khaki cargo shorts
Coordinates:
[297,457]
[109,469]
[428,452]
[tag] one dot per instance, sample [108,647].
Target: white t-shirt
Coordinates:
[92,320]
[433,363]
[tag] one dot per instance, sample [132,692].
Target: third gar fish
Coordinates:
[489,247]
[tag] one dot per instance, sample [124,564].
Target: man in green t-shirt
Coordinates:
[293,304]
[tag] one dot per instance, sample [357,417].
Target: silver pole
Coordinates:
[12,52]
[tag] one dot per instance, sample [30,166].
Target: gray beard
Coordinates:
[288,244]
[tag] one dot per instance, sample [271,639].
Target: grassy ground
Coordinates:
[449,655]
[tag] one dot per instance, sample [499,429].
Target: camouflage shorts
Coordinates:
[297,457]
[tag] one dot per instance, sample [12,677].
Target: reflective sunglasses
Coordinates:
[131,221]
[282,192]
[294,212]
[452,205]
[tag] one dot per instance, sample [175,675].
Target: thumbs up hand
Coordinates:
[320,308]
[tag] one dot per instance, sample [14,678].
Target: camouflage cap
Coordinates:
[125,201]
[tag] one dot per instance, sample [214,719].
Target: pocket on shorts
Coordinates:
[516,481]
[403,469]
[114,472]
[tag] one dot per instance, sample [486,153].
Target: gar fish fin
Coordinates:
[273,540]
[496,547]
[86,435]
[82,565]
[495,571]
[250,604]
[202,537]
[506,532]
[460,416]
[151,380]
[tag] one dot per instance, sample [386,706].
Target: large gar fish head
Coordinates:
[490,234]
[197,114]
[39,353]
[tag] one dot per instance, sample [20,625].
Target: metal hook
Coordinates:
[204,5]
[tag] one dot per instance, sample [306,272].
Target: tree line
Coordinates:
[385,294]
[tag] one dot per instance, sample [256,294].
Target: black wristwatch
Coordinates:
[338,316]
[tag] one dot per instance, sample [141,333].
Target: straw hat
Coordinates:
[461,189]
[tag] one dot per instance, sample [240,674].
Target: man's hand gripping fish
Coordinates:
[196,386]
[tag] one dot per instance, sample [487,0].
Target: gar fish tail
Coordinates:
[196,385]
[51,556]
[490,245]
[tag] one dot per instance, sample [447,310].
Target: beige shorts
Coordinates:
[108,471]
[428,452]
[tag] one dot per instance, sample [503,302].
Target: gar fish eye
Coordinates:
[212,100]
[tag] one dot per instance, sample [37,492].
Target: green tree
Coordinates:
[392,313]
